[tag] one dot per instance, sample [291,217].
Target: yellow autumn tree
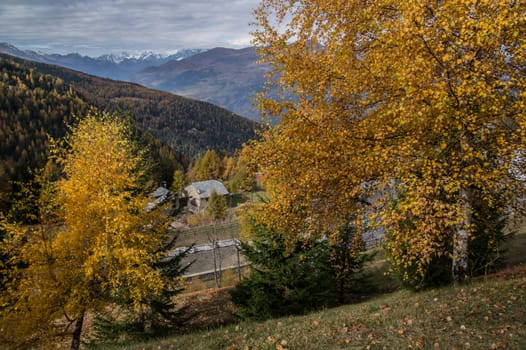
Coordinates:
[460,107]
[312,158]
[411,107]
[208,167]
[101,247]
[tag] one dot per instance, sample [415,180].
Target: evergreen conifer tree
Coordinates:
[286,278]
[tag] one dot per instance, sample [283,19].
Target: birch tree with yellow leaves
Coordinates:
[412,107]
[100,246]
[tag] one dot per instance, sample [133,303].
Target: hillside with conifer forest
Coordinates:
[39,100]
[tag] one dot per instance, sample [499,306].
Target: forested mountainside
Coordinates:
[32,106]
[188,125]
[37,100]
[35,107]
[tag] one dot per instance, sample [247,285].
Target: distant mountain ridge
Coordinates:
[226,77]
[118,66]
[229,78]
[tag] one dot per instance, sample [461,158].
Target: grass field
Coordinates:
[486,313]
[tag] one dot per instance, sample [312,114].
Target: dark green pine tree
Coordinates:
[285,279]
[486,243]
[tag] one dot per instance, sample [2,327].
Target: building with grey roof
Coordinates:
[199,192]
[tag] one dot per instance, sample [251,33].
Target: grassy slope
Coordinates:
[484,314]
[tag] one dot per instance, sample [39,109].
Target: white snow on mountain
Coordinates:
[120,57]
[123,56]
[149,56]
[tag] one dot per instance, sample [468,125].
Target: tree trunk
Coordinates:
[460,241]
[216,276]
[75,342]
[213,239]
[219,263]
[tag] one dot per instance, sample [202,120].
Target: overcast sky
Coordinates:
[95,27]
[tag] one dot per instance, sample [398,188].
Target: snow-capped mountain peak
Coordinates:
[152,56]
[119,66]
[125,55]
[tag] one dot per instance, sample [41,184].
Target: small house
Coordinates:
[198,193]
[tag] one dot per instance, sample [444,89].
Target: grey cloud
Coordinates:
[105,26]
